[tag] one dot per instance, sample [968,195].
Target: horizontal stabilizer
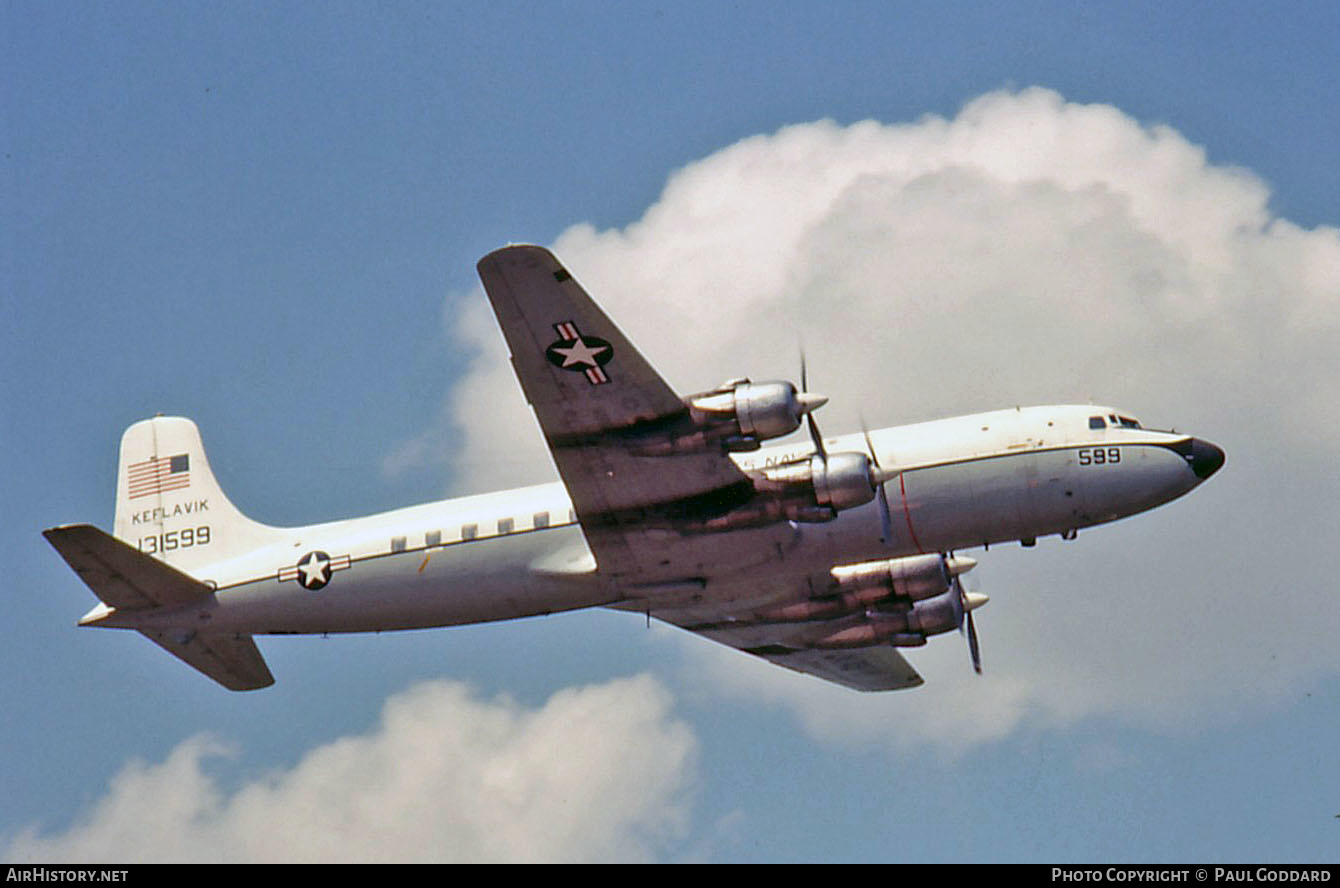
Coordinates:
[121,575]
[126,579]
[231,660]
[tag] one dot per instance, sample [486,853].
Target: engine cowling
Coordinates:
[880,589]
[906,600]
[821,484]
[915,577]
[742,413]
[933,616]
[843,480]
[930,616]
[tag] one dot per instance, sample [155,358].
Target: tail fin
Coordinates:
[172,522]
[168,503]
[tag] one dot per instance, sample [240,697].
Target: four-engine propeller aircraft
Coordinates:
[825,556]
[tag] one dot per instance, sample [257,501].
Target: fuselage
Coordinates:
[983,479]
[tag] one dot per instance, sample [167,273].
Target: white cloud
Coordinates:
[1029,250]
[598,773]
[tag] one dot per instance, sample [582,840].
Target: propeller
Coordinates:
[880,476]
[964,604]
[807,398]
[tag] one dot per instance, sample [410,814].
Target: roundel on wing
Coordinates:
[579,354]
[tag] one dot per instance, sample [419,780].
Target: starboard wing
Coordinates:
[862,669]
[762,617]
[878,667]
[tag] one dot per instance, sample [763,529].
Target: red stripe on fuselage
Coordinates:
[907,514]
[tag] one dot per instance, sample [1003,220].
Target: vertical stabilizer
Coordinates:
[168,503]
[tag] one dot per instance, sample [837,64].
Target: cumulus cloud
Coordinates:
[1029,250]
[599,773]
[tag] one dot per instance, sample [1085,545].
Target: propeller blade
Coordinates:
[964,604]
[879,476]
[806,397]
[869,445]
[817,438]
[885,521]
[972,646]
[958,602]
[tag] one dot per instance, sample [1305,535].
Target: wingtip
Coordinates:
[512,249]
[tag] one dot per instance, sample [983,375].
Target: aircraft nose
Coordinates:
[1205,458]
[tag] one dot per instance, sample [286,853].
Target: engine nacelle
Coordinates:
[915,577]
[848,602]
[741,413]
[932,616]
[841,481]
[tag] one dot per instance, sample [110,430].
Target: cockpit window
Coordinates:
[1128,423]
[1097,422]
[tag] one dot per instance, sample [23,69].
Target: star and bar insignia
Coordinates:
[313,571]
[580,354]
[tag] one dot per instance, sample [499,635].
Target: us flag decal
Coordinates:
[159,475]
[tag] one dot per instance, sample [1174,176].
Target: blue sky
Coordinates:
[266,217]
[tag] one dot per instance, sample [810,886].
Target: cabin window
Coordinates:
[469,531]
[432,538]
[506,525]
[1097,422]
[397,544]
[541,519]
